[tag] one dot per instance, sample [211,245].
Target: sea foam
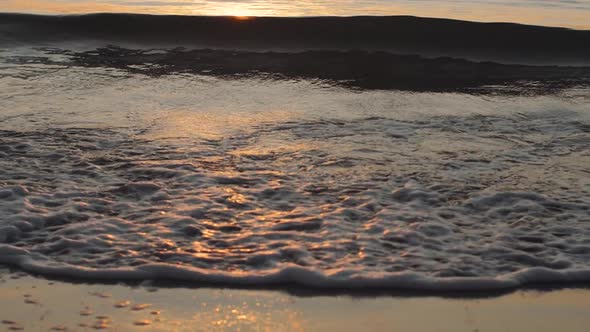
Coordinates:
[119,176]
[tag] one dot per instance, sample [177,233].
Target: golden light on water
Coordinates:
[186,309]
[234,197]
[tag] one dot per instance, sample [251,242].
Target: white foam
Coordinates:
[345,190]
[295,275]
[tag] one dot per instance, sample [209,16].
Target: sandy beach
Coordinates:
[37,304]
[310,166]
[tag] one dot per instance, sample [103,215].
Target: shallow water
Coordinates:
[539,12]
[261,180]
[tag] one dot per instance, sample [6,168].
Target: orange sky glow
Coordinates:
[489,11]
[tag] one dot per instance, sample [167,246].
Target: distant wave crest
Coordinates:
[402,33]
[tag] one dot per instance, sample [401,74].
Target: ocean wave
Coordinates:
[129,164]
[309,278]
[399,33]
[341,213]
[352,69]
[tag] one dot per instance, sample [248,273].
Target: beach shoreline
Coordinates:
[34,303]
[255,172]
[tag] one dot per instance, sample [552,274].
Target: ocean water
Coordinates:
[240,167]
[539,12]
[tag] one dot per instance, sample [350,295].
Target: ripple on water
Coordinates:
[490,199]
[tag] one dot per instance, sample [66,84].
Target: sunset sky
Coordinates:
[554,13]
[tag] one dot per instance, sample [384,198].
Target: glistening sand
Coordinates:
[39,304]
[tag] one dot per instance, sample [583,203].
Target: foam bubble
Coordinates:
[471,194]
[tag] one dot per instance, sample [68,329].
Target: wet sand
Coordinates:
[29,303]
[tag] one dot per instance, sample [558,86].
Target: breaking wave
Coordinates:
[400,34]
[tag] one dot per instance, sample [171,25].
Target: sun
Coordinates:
[238,12]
